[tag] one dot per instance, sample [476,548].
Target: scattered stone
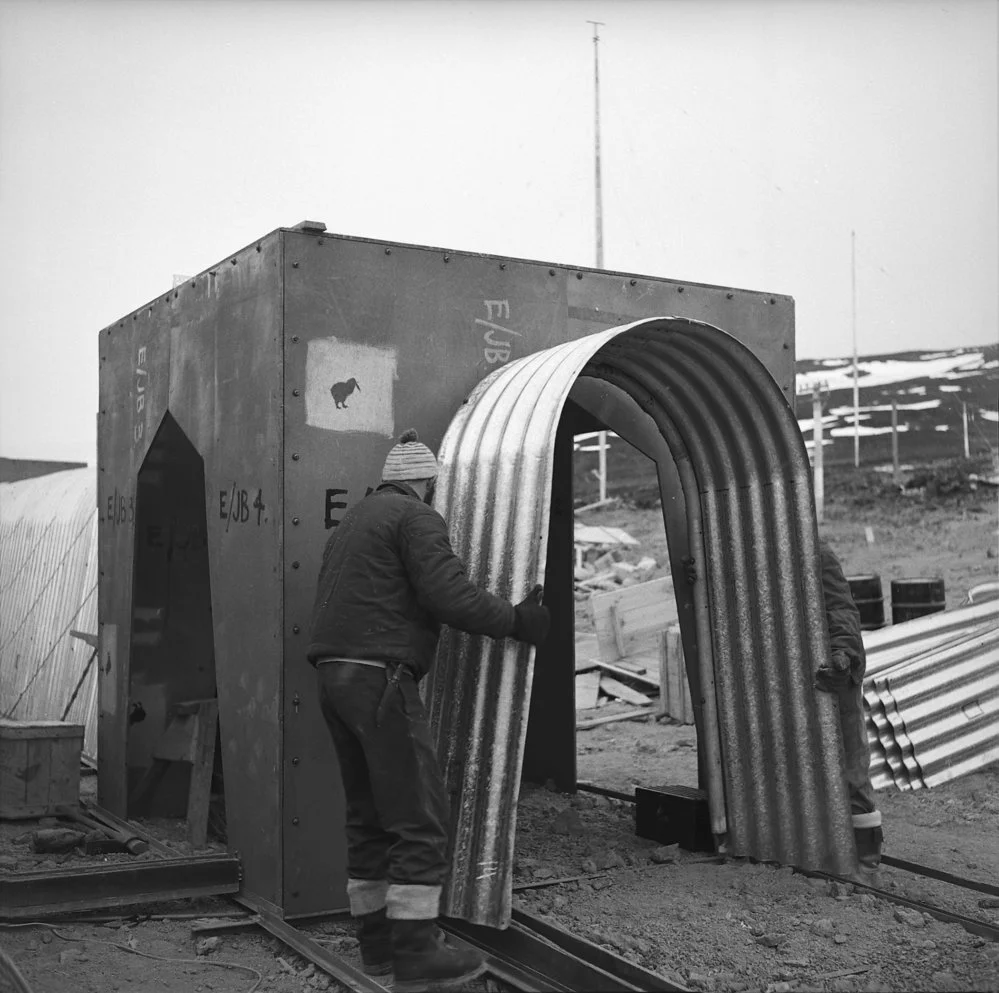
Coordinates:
[819,885]
[543,872]
[781,987]
[867,901]
[840,939]
[71,955]
[203,946]
[588,865]
[32,946]
[842,984]
[823,927]
[46,937]
[700,981]
[946,982]
[568,822]
[600,884]
[610,860]
[911,917]
[664,854]
[768,940]
[22,839]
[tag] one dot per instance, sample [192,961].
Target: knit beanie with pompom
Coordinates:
[410,459]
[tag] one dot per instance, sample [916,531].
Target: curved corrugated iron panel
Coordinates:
[777,784]
[48,587]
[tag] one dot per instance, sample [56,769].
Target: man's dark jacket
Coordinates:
[389,579]
[842,615]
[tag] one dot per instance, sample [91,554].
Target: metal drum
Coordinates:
[867,595]
[911,598]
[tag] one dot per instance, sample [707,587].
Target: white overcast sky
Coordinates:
[742,141]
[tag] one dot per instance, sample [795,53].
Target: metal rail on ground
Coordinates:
[971,924]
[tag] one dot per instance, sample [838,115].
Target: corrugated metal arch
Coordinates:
[773,744]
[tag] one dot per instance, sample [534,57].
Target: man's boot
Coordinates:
[869,838]
[421,958]
[374,932]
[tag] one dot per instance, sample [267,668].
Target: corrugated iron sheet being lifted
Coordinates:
[772,743]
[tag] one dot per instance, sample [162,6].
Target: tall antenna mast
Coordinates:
[602,436]
[596,140]
[856,388]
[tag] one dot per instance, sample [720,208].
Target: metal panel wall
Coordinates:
[380,337]
[48,588]
[209,352]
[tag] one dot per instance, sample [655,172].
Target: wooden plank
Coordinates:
[12,730]
[64,780]
[587,689]
[38,778]
[629,715]
[615,670]
[13,762]
[613,688]
[200,792]
[632,665]
[626,620]
[674,697]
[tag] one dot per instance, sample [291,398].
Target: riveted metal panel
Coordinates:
[208,353]
[134,355]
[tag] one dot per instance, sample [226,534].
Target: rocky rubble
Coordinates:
[724,926]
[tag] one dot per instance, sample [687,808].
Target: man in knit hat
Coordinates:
[389,578]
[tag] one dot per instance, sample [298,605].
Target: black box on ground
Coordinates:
[674,815]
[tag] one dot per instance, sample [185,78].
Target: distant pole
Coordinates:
[817,454]
[894,440]
[856,387]
[596,142]
[602,437]
[964,417]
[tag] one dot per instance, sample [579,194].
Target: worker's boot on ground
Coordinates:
[422,959]
[869,838]
[374,932]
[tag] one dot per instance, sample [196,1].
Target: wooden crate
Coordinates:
[39,767]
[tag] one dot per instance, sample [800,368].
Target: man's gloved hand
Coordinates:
[835,677]
[532,619]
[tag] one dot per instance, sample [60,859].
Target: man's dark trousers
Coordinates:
[397,808]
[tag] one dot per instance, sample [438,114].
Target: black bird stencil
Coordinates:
[340,391]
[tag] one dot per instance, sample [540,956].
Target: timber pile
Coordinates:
[603,560]
[623,681]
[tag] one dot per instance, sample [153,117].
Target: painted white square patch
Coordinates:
[350,387]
